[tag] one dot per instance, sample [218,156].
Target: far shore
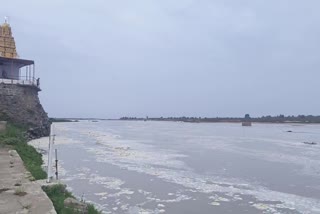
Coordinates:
[209,120]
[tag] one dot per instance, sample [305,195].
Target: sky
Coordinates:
[204,58]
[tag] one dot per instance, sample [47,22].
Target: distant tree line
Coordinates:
[61,120]
[264,119]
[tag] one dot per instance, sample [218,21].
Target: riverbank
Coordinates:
[13,138]
[20,166]
[18,192]
[21,178]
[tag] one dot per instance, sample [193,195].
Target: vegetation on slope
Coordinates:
[13,138]
[58,193]
[61,120]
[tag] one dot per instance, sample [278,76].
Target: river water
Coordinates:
[174,167]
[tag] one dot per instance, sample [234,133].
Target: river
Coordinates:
[174,167]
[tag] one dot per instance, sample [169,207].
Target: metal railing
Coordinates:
[22,80]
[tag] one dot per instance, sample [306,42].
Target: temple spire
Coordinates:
[7,42]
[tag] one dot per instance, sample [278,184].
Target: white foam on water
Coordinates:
[141,158]
[145,193]
[215,203]
[179,198]
[218,198]
[101,194]
[124,207]
[107,182]
[123,191]
[133,150]
[139,210]
[168,166]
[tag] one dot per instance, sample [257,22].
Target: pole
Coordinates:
[48,166]
[51,142]
[26,77]
[56,153]
[33,78]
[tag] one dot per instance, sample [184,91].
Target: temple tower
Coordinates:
[12,68]
[19,87]
[7,43]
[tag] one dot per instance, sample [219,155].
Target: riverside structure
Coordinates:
[19,87]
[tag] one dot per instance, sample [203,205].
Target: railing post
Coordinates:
[34,72]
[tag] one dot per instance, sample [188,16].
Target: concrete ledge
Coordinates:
[17,193]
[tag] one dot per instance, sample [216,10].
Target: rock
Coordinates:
[37,132]
[76,205]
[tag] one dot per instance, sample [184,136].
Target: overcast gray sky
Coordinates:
[103,58]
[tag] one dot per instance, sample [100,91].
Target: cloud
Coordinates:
[198,58]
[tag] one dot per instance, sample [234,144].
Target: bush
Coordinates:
[58,193]
[11,141]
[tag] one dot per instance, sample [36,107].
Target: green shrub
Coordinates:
[32,160]
[58,193]
[92,209]
[11,141]
[12,131]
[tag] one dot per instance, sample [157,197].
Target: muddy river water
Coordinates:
[173,167]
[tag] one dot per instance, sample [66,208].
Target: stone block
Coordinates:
[76,205]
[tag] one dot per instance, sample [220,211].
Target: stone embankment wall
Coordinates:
[21,105]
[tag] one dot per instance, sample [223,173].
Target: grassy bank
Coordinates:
[58,193]
[14,139]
